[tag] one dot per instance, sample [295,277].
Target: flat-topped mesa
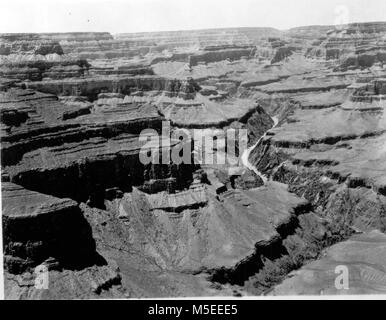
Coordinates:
[90,46]
[77,36]
[215,54]
[125,69]
[31,46]
[92,86]
[32,57]
[308,32]
[226,47]
[210,54]
[100,46]
[202,38]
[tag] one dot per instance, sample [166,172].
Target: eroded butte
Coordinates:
[309,194]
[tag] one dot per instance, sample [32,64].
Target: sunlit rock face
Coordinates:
[74,105]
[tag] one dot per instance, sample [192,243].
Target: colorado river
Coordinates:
[247,152]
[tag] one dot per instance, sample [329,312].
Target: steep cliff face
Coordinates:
[194,231]
[356,45]
[92,86]
[211,55]
[38,232]
[282,53]
[104,46]
[54,161]
[330,163]
[70,153]
[33,57]
[34,47]
[96,151]
[329,149]
[203,38]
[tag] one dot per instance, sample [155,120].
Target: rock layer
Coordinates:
[70,152]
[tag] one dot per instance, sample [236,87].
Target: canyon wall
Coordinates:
[74,105]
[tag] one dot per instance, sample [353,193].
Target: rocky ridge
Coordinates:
[70,146]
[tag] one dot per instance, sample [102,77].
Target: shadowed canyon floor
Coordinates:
[309,193]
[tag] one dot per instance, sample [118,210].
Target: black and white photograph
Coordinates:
[193,149]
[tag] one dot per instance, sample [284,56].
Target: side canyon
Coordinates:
[308,195]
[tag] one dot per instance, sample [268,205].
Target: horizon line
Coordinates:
[201,29]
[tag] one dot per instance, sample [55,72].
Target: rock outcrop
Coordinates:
[36,228]
[33,57]
[360,257]
[73,107]
[213,54]
[356,45]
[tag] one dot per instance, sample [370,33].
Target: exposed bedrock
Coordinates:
[246,180]
[32,57]
[373,91]
[39,69]
[353,45]
[271,250]
[52,234]
[77,36]
[329,149]
[32,44]
[202,38]
[231,113]
[92,179]
[365,60]
[82,156]
[91,87]
[35,120]
[36,228]
[363,256]
[106,49]
[210,55]
[231,43]
[70,159]
[257,124]
[330,156]
[125,69]
[95,169]
[282,53]
[90,283]
[309,32]
[197,230]
[313,234]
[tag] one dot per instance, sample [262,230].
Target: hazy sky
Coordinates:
[151,15]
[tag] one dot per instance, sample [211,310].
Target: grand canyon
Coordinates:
[308,195]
